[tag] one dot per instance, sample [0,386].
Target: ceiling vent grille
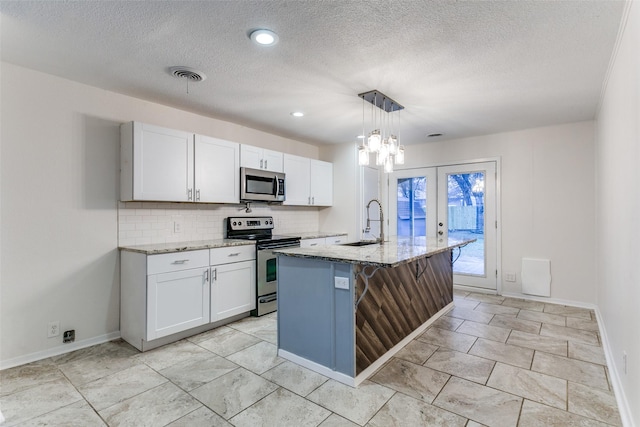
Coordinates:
[187,73]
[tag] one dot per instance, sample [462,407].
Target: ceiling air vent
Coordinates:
[187,73]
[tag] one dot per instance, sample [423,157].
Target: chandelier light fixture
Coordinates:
[384,136]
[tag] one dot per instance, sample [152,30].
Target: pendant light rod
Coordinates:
[381,101]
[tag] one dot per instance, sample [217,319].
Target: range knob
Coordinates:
[235,223]
[239,222]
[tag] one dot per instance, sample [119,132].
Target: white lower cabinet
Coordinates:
[171,293]
[323,241]
[233,289]
[177,301]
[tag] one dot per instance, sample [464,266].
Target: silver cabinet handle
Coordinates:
[313,200]
[190,194]
[313,244]
[309,202]
[234,254]
[214,273]
[206,276]
[180,261]
[261,162]
[265,164]
[197,195]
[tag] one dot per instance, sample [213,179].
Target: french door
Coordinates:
[455,202]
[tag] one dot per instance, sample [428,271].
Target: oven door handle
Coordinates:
[267,299]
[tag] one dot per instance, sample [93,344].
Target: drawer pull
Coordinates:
[180,261]
[313,244]
[234,254]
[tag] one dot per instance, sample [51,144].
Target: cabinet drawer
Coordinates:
[232,254]
[312,243]
[336,240]
[176,261]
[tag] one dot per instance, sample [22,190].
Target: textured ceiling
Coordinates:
[459,68]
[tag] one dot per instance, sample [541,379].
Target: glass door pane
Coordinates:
[412,206]
[412,203]
[465,210]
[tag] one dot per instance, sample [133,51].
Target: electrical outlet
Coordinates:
[624,362]
[177,227]
[509,277]
[53,329]
[342,282]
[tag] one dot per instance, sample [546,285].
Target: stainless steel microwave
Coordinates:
[261,186]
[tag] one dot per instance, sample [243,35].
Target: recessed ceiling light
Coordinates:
[264,37]
[297,114]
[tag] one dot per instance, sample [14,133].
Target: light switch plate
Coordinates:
[342,282]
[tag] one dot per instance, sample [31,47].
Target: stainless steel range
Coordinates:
[260,229]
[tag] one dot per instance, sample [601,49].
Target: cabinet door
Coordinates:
[296,170]
[251,157]
[177,301]
[233,289]
[321,185]
[162,164]
[273,160]
[217,170]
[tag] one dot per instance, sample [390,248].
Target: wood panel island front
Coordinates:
[343,311]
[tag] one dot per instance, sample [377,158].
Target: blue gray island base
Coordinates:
[345,319]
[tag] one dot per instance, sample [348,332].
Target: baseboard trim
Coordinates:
[618,391]
[559,301]
[56,351]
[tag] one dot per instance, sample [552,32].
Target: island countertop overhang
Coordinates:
[392,253]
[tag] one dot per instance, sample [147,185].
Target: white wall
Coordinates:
[548,209]
[618,219]
[60,181]
[346,190]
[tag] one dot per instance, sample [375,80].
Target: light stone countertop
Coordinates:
[163,248]
[394,252]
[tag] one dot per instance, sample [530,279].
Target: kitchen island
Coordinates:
[343,310]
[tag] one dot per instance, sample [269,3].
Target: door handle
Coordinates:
[214,274]
[206,276]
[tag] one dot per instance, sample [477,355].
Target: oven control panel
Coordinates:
[250,223]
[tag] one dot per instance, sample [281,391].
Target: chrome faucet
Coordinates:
[381,219]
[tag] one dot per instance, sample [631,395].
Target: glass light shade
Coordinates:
[374,140]
[388,165]
[363,156]
[399,157]
[393,144]
[383,153]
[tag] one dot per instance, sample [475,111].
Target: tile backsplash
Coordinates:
[141,223]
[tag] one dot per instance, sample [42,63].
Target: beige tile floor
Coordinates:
[490,361]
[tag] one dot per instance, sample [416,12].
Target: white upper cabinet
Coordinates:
[296,171]
[217,165]
[260,158]
[156,163]
[160,164]
[321,183]
[308,181]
